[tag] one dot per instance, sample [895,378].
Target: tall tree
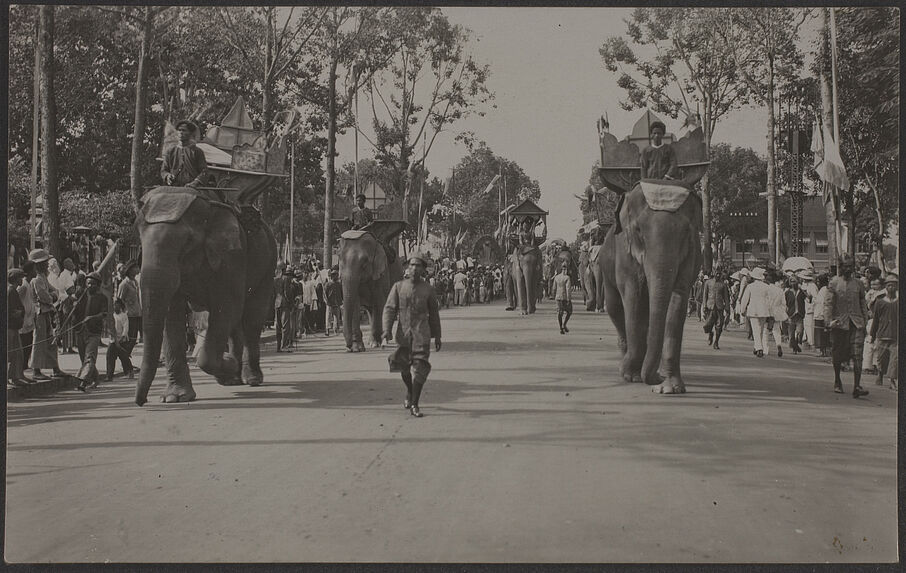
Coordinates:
[475,207]
[737,176]
[51,217]
[430,84]
[762,45]
[271,41]
[354,42]
[688,71]
[868,75]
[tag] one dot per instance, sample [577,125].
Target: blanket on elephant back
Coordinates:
[167,204]
[664,195]
[352,235]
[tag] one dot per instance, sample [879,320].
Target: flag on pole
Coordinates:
[828,163]
[491,185]
[834,171]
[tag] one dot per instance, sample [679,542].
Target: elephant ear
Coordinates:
[378,262]
[223,235]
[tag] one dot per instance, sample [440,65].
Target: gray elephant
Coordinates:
[648,269]
[215,257]
[366,273]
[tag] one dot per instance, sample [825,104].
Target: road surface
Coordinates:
[531,449]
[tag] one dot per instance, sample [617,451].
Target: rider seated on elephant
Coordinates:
[659,159]
[658,162]
[527,232]
[184,164]
[361,215]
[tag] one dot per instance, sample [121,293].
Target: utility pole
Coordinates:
[292,197]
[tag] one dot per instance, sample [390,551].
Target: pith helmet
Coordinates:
[38,256]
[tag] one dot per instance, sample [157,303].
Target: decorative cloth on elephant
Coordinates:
[353,234]
[664,195]
[167,204]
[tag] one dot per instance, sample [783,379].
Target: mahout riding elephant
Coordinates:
[215,257]
[648,269]
[526,271]
[366,273]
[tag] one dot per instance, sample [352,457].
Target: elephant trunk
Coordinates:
[158,285]
[660,273]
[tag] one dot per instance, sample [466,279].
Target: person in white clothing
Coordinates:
[755,308]
[776,303]
[121,345]
[811,292]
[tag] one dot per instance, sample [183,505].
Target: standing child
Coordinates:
[562,288]
[121,346]
[333,293]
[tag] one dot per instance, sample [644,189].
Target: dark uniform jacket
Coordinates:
[415,305]
[361,217]
[187,164]
[716,295]
[15,310]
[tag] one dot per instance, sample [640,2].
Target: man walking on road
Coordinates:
[754,305]
[716,299]
[94,309]
[413,304]
[562,288]
[886,312]
[846,313]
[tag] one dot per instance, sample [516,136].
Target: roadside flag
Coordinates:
[834,171]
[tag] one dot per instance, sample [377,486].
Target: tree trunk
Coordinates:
[53,240]
[267,87]
[138,132]
[331,156]
[707,254]
[772,158]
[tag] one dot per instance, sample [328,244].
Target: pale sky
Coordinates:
[550,86]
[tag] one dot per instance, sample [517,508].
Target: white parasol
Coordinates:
[796,264]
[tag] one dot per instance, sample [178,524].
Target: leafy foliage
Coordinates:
[738,175]
[868,81]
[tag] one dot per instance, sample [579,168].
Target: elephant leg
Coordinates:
[256,309]
[617,316]
[635,313]
[673,339]
[236,349]
[212,358]
[179,388]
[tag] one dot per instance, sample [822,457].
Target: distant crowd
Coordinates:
[850,319]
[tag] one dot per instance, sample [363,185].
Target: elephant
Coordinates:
[366,274]
[562,256]
[215,257]
[526,272]
[648,268]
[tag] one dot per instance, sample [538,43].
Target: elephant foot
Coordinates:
[672,385]
[177,393]
[229,380]
[252,378]
[632,378]
[374,344]
[357,346]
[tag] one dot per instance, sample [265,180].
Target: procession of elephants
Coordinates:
[221,257]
